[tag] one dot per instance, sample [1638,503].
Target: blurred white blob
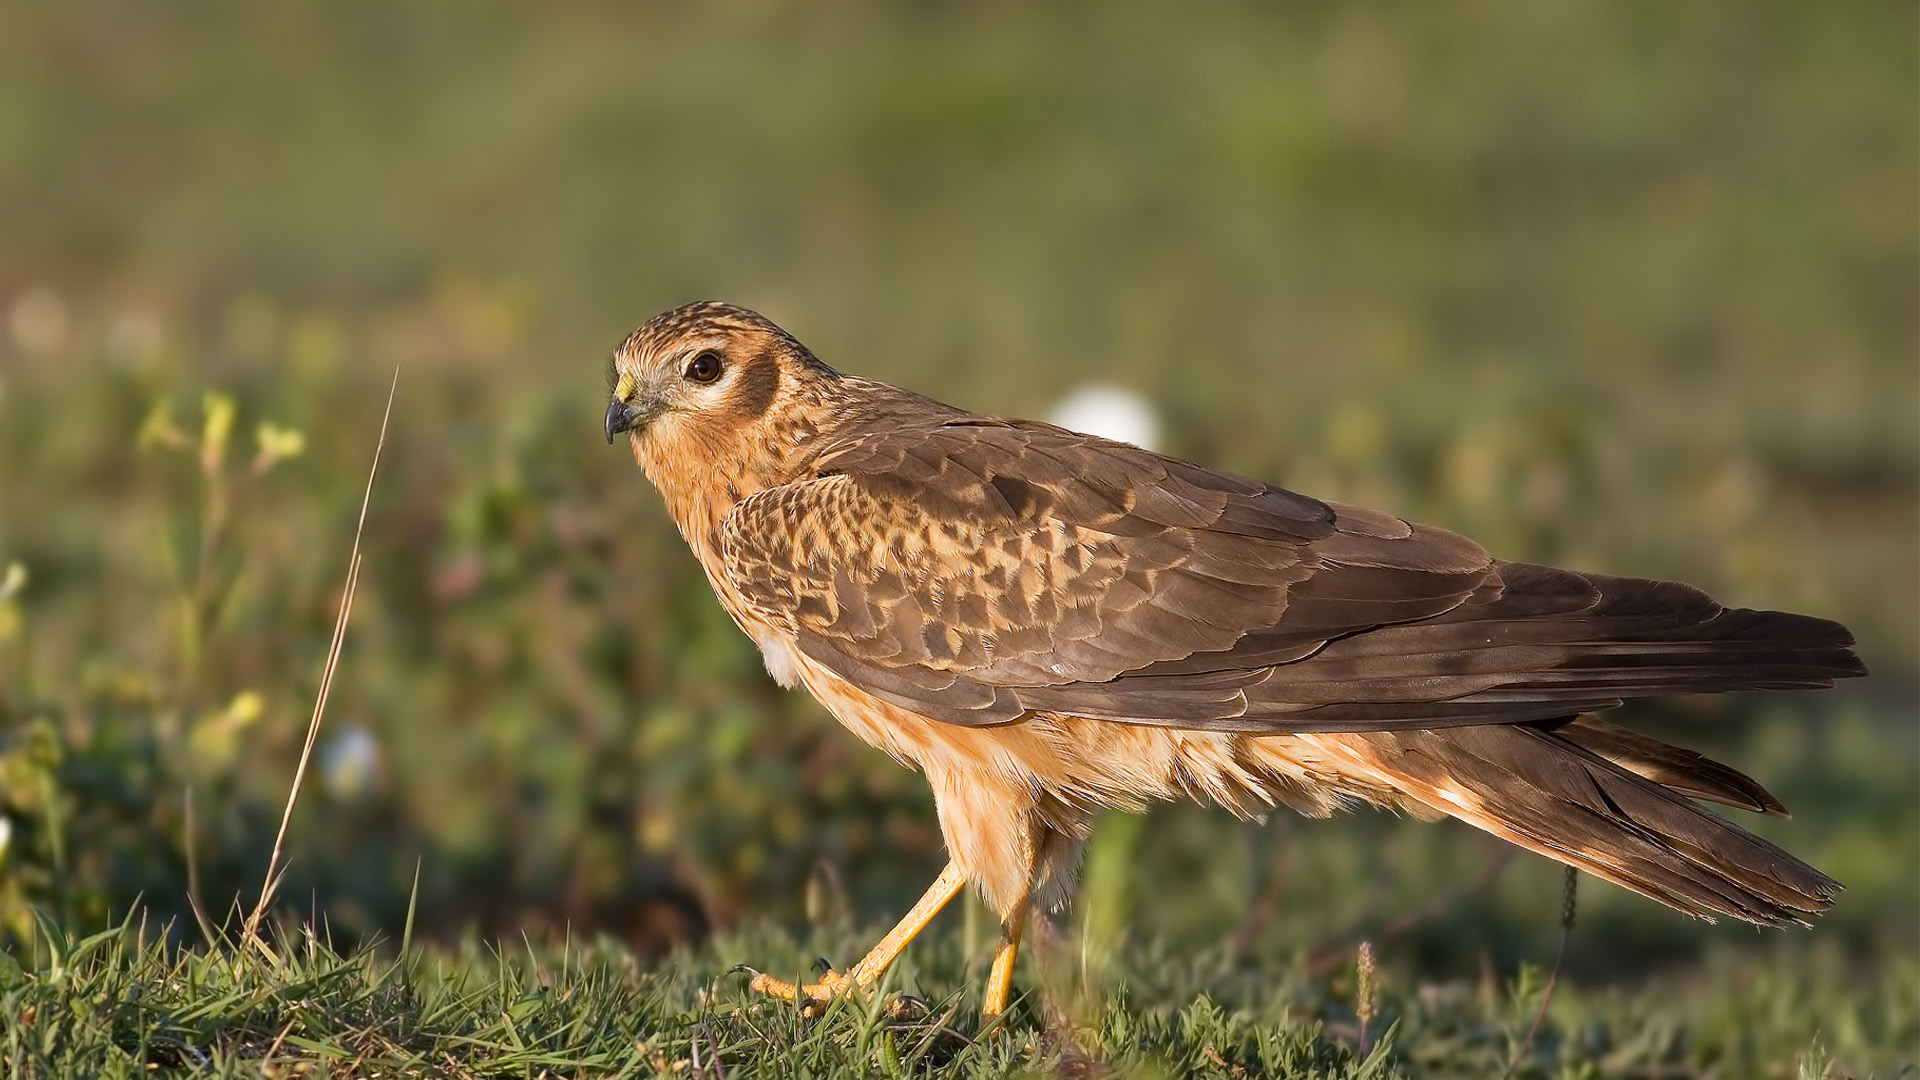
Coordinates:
[350,762]
[135,339]
[38,320]
[1111,413]
[6,833]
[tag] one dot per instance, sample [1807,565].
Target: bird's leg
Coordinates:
[1000,980]
[875,963]
[1043,848]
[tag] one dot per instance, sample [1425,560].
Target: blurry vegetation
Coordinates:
[1625,286]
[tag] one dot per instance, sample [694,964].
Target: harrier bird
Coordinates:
[1047,623]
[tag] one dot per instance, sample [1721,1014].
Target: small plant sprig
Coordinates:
[1365,993]
[199,591]
[1569,897]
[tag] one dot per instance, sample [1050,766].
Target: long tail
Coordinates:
[1608,801]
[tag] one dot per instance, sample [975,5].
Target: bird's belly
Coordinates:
[1070,764]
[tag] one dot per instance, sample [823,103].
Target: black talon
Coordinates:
[742,968]
[822,966]
[908,1007]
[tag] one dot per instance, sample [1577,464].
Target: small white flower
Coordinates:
[349,763]
[1111,413]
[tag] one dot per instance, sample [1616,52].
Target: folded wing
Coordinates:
[977,570]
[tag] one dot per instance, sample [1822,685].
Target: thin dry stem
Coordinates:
[271,883]
[193,877]
[1569,891]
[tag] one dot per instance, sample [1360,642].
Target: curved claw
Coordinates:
[743,969]
[908,1007]
[822,966]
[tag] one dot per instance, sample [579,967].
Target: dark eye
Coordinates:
[704,368]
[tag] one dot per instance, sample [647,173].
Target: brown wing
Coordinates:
[976,570]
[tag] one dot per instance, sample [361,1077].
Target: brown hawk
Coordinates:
[1047,623]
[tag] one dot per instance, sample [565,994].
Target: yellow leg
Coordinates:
[875,963]
[1000,980]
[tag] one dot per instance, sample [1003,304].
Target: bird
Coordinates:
[1048,624]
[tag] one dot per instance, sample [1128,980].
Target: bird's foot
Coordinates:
[813,997]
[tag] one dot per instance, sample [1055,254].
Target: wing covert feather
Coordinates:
[977,570]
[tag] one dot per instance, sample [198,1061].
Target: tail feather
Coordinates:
[1551,792]
[1675,768]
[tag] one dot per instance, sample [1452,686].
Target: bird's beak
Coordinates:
[621,417]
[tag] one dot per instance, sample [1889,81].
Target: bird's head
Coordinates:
[702,385]
[703,366]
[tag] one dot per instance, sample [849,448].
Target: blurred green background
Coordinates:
[1627,286]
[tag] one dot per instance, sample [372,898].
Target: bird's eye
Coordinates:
[704,368]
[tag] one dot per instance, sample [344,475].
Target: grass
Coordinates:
[122,1002]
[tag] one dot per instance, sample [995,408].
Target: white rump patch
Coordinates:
[781,662]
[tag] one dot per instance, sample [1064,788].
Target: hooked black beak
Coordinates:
[620,417]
